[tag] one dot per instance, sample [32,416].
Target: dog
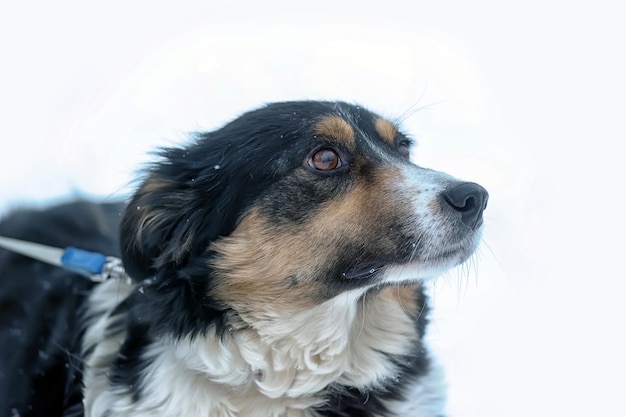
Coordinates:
[277,268]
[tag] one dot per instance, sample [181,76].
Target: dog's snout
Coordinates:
[467,199]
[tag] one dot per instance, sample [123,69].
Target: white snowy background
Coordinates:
[526,98]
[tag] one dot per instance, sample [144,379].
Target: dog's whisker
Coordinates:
[397,289]
[363,304]
[413,108]
[415,245]
[485,244]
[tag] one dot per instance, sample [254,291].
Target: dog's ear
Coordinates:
[197,193]
[154,229]
[186,201]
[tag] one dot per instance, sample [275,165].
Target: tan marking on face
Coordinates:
[258,266]
[337,128]
[265,267]
[386,130]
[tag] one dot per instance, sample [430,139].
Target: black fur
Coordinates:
[39,325]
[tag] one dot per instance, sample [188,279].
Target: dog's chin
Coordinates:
[429,266]
[376,273]
[416,271]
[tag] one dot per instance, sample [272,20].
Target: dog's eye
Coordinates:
[403,148]
[326,159]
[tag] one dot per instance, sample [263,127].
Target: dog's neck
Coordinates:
[277,365]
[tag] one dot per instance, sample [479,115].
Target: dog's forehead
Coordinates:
[349,126]
[346,131]
[324,116]
[347,123]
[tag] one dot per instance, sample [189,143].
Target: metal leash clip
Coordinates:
[112,269]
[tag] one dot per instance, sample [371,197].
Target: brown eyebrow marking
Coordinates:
[386,130]
[337,128]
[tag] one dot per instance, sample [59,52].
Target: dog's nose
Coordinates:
[467,199]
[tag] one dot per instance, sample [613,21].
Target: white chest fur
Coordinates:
[276,366]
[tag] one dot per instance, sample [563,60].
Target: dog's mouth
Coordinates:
[431,259]
[363,271]
[371,270]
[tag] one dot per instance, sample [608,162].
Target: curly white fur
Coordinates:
[270,367]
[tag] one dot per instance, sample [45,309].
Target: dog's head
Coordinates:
[294,203]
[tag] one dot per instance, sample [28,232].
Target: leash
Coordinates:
[90,265]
